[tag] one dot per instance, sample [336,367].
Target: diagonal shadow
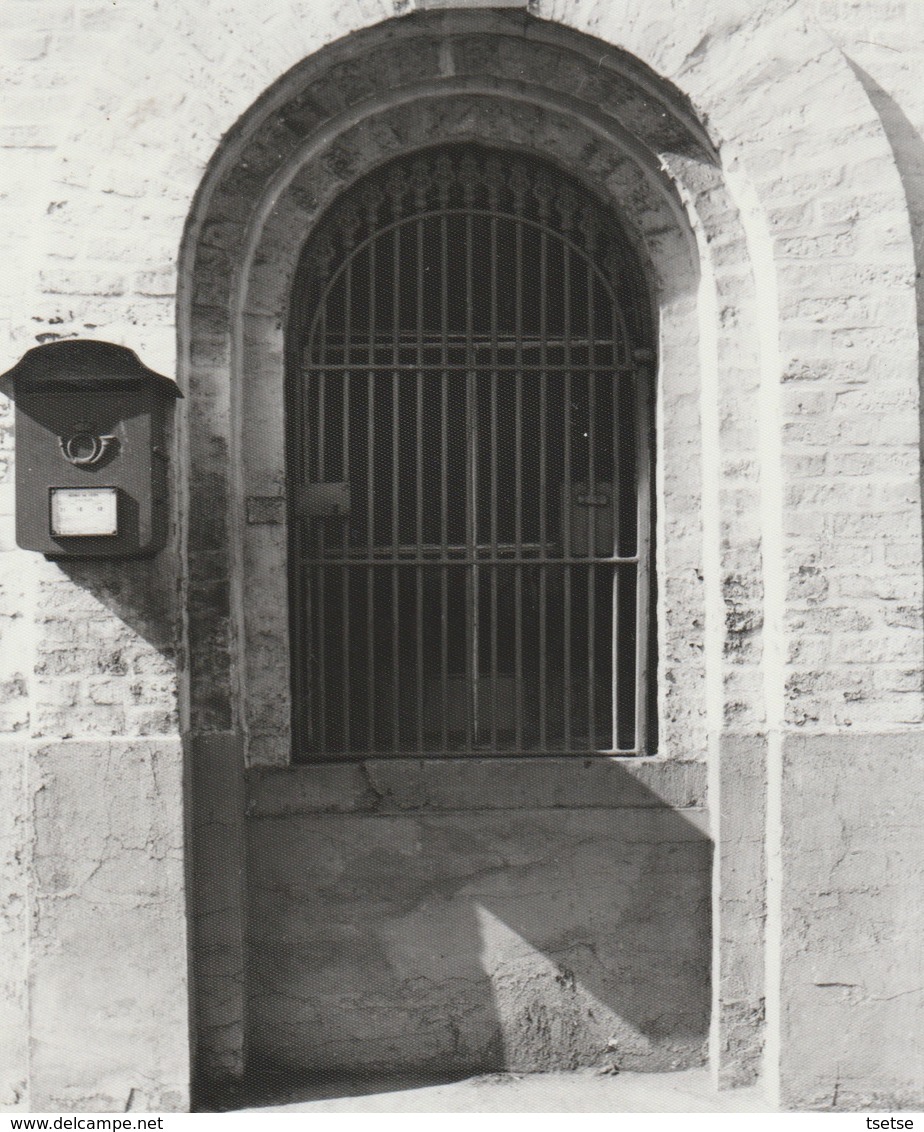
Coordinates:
[908,148]
[532,917]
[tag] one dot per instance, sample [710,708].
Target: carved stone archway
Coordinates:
[508,82]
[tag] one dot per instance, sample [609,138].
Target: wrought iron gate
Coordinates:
[469,466]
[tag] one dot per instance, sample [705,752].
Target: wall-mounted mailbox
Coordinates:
[91,467]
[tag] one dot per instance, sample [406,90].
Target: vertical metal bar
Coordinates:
[471,587]
[419,580]
[320,609]
[371,698]
[345,476]
[321,384]
[396,486]
[614,651]
[591,657]
[495,706]
[300,437]
[495,486]
[309,627]
[395,659]
[569,491]
[543,468]
[643,546]
[444,658]
[592,524]
[615,612]
[295,439]
[345,656]
[518,581]
[444,483]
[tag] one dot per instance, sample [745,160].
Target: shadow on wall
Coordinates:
[908,148]
[121,620]
[114,627]
[111,625]
[468,937]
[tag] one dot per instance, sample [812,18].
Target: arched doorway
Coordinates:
[475,910]
[469,461]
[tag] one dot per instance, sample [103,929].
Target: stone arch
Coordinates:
[720,239]
[299,158]
[453,77]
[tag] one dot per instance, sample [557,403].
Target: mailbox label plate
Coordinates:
[81,512]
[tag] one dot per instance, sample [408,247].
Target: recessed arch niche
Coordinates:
[508,83]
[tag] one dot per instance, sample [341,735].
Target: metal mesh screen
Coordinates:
[469,466]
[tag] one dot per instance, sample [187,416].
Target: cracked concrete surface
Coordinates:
[415,938]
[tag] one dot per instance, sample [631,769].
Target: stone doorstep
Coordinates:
[580,1091]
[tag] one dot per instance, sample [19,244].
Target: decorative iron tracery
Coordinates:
[469,467]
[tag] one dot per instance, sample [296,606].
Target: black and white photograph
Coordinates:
[461,559]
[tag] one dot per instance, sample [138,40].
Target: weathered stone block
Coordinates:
[15,901]
[852,963]
[217,878]
[107,964]
[739,995]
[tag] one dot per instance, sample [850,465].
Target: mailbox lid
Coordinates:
[80,364]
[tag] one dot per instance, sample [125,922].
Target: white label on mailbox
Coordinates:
[79,511]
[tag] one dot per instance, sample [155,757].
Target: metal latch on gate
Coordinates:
[592,499]
[588,512]
[323,500]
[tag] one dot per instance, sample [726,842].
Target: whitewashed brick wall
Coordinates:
[110,115]
[112,112]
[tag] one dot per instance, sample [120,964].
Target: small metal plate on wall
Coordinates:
[320,500]
[266,510]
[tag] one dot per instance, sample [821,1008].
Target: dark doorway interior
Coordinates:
[469,456]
